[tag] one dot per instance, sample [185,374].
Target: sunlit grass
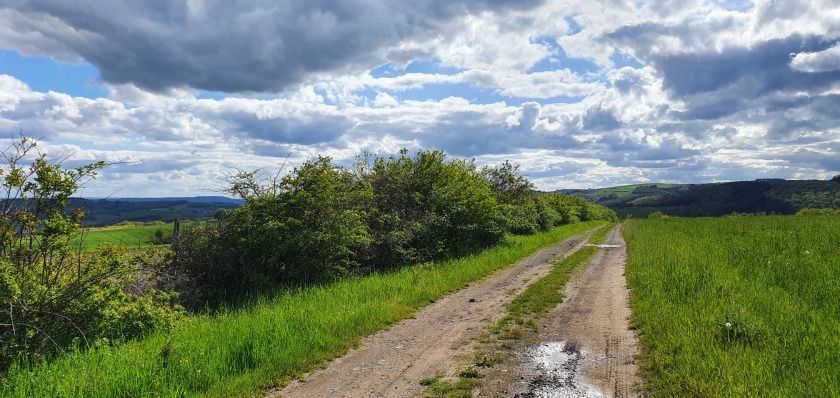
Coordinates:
[128,235]
[239,352]
[737,306]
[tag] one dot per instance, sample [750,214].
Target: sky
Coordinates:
[179,93]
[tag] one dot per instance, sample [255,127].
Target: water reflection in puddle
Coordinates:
[557,366]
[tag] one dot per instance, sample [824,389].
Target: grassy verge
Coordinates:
[737,306]
[242,351]
[519,322]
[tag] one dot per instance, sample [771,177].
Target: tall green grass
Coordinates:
[737,306]
[239,352]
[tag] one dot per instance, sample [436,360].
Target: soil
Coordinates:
[584,347]
[392,363]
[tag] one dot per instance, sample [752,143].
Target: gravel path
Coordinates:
[392,363]
[585,347]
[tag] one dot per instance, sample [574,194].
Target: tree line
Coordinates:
[318,223]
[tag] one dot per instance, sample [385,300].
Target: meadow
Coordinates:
[239,351]
[738,305]
[130,235]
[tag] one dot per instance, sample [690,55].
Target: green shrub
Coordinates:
[522,212]
[656,214]
[322,222]
[52,295]
[425,207]
[308,227]
[808,211]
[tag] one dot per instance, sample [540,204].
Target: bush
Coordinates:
[52,295]
[656,214]
[522,212]
[307,227]
[322,222]
[808,211]
[425,207]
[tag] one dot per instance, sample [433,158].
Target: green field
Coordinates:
[241,351]
[737,306]
[131,235]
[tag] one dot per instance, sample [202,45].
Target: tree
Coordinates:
[306,227]
[53,295]
[425,207]
[522,210]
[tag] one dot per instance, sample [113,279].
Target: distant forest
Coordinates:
[102,212]
[770,196]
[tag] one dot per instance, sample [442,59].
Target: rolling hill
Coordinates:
[759,196]
[101,212]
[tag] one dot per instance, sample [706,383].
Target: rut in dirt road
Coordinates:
[586,348]
[394,361]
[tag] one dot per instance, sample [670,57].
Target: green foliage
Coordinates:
[425,207]
[526,211]
[322,222]
[808,211]
[53,295]
[238,352]
[308,227]
[737,306]
[656,214]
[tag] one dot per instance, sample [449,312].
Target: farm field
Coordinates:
[240,351]
[130,235]
[737,306]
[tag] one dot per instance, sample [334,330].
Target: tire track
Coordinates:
[391,363]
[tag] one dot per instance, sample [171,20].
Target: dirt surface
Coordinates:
[584,347]
[392,363]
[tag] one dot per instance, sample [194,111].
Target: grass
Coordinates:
[520,321]
[128,235]
[737,306]
[242,351]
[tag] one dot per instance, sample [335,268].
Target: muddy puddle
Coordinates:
[556,367]
[604,246]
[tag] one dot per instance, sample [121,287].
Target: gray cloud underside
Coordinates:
[230,46]
[717,100]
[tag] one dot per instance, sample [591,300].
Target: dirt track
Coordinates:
[584,347]
[392,363]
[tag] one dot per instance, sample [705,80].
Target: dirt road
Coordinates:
[392,363]
[584,347]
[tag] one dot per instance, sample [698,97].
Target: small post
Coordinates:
[176,230]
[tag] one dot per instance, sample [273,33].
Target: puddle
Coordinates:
[557,368]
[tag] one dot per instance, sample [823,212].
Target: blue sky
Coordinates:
[41,73]
[581,94]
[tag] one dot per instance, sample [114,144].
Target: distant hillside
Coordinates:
[767,196]
[101,212]
[191,199]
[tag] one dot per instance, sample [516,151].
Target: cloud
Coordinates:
[581,93]
[230,46]
[814,62]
